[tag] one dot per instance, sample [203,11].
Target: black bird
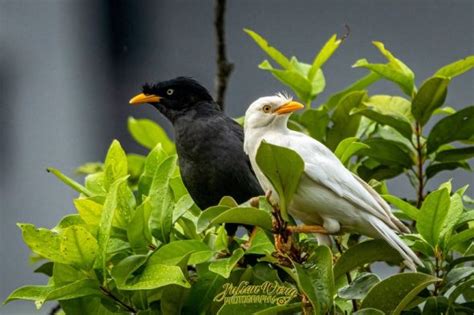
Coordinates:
[209,143]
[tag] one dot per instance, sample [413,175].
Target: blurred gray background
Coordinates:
[68,69]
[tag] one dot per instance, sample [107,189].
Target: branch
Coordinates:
[224,67]
[109,294]
[420,162]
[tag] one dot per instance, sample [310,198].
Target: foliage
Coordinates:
[139,244]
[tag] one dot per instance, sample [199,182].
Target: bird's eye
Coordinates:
[170,92]
[266,108]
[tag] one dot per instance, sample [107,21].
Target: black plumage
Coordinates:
[209,143]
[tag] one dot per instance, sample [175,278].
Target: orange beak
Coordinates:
[288,108]
[142,98]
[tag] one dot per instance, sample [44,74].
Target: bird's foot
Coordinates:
[306,229]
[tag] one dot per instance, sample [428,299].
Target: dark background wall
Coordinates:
[68,68]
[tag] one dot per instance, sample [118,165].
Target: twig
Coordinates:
[117,300]
[420,175]
[224,67]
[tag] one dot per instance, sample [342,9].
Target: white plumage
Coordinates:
[328,194]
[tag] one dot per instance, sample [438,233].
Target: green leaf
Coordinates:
[410,210]
[458,126]
[387,110]
[245,215]
[136,163]
[292,78]
[455,211]
[203,291]
[432,215]
[283,168]
[106,222]
[434,169]
[182,205]
[358,85]
[315,121]
[115,164]
[95,184]
[89,210]
[347,148]
[224,266]
[359,288]
[454,155]
[317,281]
[90,168]
[138,230]
[152,162]
[271,51]
[394,70]
[345,125]
[78,246]
[365,253]
[393,294]
[206,217]
[260,244]
[124,270]
[464,236]
[430,97]
[149,134]
[387,152]
[156,276]
[161,199]
[42,242]
[456,68]
[324,54]
[42,293]
[174,252]
[68,181]
[457,275]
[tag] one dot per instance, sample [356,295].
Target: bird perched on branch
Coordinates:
[328,194]
[209,143]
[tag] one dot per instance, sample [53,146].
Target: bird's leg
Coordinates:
[307,229]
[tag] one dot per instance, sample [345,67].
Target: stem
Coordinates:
[348,274]
[117,300]
[224,67]
[420,160]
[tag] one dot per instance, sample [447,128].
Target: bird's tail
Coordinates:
[396,242]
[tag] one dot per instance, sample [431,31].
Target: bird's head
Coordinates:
[270,110]
[173,96]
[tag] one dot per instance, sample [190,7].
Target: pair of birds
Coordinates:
[216,160]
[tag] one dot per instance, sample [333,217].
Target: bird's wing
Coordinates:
[324,168]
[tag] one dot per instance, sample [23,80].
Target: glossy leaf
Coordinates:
[283,168]
[317,280]
[40,293]
[408,209]
[315,121]
[43,242]
[174,252]
[458,126]
[149,134]
[387,110]
[208,215]
[365,253]
[393,294]
[344,124]
[105,226]
[432,215]
[224,266]
[324,54]
[78,246]
[115,165]
[454,155]
[271,51]
[436,168]
[358,85]
[250,216]
[359,287]
[387,152]
[138,231]
[347,148]
[456,68]
[430,97]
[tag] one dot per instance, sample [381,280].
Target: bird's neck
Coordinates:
[190,111]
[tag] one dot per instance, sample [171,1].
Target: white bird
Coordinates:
[328,194]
